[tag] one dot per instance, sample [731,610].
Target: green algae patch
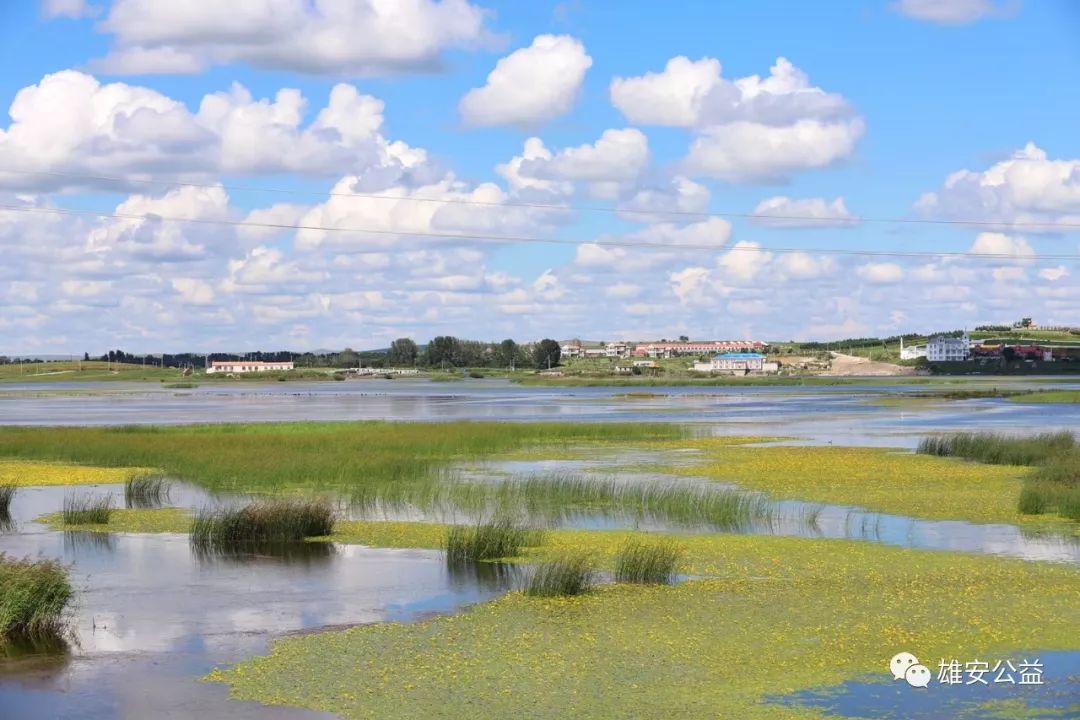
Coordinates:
[780,615]
[31,473]
[390,534]
[880,479]
[361,457]
[1049,397]
[154,520]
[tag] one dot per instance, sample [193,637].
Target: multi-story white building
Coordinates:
[942,348]
[571,349]
[737,362]
[617,349]
[246,366]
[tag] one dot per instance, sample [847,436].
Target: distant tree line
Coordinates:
[442,352]
[446,351]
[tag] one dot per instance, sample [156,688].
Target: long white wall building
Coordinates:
[246,366]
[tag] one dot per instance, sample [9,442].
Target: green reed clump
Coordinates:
[645,561]
[487,541]
[1062,468]
[682,501]
[82,509]
[7,494]
[33,597]
[262,522]
[1054,487]
[569,574]
[1034,500]
[999,449]
[145,491]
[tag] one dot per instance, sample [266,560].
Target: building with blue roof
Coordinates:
[737,363]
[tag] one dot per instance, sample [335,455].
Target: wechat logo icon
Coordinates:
[905,666]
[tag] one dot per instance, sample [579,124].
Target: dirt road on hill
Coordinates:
[844,365]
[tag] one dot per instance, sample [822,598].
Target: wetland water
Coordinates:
[842,414]
[152,618]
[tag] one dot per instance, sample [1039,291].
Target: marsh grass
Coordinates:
[1055,484]
[146,491]
[569,574]
[82,509]
[501,538]
[33,597]
[561,497]
[260,524]
[999,449]
[1054,487]
[647,561]
[678,501]
[7,494]
[361,457]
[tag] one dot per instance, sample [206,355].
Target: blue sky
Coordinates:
[871,106]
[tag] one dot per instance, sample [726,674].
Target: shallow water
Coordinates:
[802,519]
[840,414]
[887,699]
[152,618]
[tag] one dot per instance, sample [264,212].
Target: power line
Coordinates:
[513,239]
[1024,224]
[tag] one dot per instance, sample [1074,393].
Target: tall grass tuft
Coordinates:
[264,522]
[570,574]
[642,561]
[146,491]
[87,509]
[7,493]
[680,501]
[33,596]
[1053,487]
[1000,449]
[487,541]
[1033,500]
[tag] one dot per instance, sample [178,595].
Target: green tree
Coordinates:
[509,353]
[403,352]
[443,351]
[546,353]
[348,357]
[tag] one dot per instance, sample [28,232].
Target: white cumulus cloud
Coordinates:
[950,12]
[884,272]
[530,86]
[1028,187]
[750,129]
[360,37]
[782,211]
[71,123]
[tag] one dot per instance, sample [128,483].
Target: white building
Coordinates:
[738,362]
[942,348]
[571,349]
[911,352]
[617,349]
[247,366]
[673,349]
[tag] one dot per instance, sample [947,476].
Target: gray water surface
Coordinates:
[151,618]
[842,414]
